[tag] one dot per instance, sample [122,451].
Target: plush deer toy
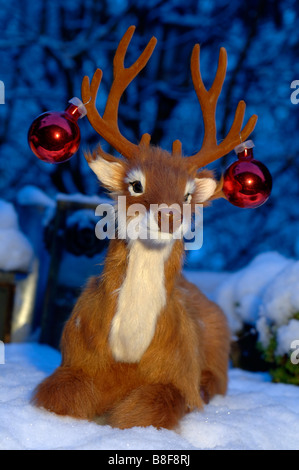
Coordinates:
[143,345]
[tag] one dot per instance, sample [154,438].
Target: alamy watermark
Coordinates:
[157,223]
[295,94]
[2,353]
[2,92]
[295,354]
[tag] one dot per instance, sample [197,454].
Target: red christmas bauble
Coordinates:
[54,136]
[247,182]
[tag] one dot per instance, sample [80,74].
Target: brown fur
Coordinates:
[187,359]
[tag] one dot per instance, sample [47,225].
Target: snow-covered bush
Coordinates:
[278,324]
[261,302]
[241,293]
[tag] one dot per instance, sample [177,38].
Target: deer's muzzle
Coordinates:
[169,219]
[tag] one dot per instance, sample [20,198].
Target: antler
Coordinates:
[210,151]
[107,126]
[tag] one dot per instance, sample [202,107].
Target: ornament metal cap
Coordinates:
[244,145]
[81,108]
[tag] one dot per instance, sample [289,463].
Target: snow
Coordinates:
[15,250]
[81,198]
[32,195]
[281,298]
[255,414]
[8,216]
[263,293]
[264,332]
[242,294]
[286,334]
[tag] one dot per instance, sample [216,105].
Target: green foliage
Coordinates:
[281,369]
[269,353]
[285,371]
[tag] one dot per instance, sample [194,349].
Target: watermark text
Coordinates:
[157,223]
[2,92]
[295,354]
[295,94]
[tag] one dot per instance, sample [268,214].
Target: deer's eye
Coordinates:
[188,198]
[137,187]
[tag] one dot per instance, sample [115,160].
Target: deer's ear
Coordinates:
[204,189]
[109,170]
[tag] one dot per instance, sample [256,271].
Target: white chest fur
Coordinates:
[141,298]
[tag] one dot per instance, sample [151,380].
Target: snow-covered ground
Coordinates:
[255,414]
